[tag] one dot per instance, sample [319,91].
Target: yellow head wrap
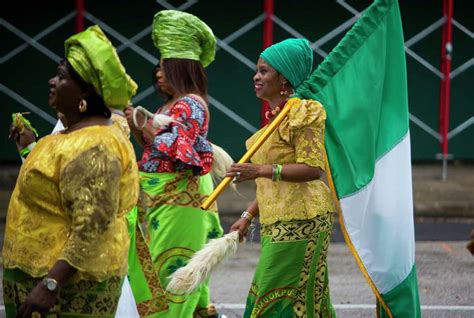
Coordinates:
[94,58]
[182,35]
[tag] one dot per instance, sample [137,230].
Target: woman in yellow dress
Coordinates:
[293,202]
[66,239]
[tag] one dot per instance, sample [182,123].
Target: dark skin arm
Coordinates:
[40,299]
[293,172]
[139,132]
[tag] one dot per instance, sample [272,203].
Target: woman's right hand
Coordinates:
[39,300]
[242,226]
[24,139]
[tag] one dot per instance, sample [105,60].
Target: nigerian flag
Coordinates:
[362,84]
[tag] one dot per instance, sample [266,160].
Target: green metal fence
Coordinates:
[32,36]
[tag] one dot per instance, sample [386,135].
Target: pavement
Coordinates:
[445,271]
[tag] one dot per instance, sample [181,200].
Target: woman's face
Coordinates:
[266,81]
[162,81]
[64,93]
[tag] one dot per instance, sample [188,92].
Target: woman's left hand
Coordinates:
[38,300]
[248,171]
[241,225]
[140,117]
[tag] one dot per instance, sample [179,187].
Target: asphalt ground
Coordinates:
[445,280]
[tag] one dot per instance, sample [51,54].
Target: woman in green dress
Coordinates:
[168,227]
[293,202]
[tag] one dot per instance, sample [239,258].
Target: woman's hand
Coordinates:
[24,139]
[140,117]
[38,300]
[128,111]
[242,226]
[248,171]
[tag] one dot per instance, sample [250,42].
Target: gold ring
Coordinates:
[35,314]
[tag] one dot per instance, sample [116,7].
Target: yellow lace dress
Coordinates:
[69,203]
[298,139]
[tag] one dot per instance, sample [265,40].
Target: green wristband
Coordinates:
[276,172]
[25,151]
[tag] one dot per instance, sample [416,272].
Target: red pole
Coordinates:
[267,41]
[445,88]
[79,15]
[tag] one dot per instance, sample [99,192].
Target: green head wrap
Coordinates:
[292,58]
[184,36]
[94,58]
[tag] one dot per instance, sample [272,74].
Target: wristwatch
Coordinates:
[51,284]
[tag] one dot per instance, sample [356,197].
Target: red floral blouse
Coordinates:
[179,147]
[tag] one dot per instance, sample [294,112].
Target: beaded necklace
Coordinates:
[269,114]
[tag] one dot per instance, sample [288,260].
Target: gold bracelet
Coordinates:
[247,215]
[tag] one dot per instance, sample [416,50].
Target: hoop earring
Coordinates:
[83,106]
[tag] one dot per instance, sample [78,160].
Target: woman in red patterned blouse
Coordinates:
[175,180]
[181,145]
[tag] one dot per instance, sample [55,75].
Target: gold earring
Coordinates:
[83,106]
[283,90]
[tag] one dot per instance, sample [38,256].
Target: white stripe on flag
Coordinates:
[379,219]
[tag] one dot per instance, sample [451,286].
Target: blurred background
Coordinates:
[32,34]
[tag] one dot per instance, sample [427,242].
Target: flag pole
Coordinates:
[246,157]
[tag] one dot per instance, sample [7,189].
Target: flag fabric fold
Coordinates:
[362,84]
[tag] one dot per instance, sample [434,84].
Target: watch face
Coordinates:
[51,285]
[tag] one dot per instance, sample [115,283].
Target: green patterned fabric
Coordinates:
[182,35]
[176,227]
[292,58]
[94,58]
[291,279]
[82,299]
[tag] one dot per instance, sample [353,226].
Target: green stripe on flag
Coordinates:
[363,81]
[403,300]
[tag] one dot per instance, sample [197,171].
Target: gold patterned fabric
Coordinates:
[298,139]
[70,202]
[122,122]
[82,299]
